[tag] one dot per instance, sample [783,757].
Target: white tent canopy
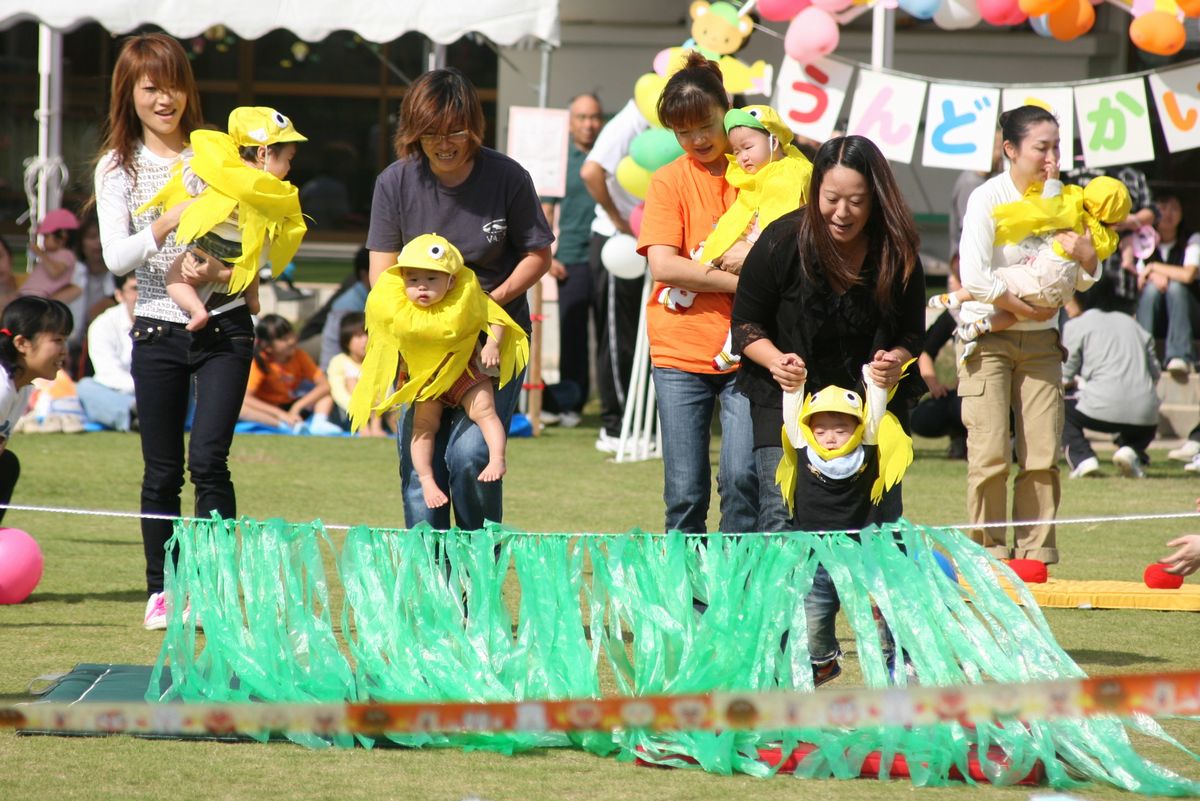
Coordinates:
[504,22]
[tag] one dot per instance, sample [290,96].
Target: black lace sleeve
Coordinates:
[745,333]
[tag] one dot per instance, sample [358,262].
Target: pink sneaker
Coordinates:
[156,612]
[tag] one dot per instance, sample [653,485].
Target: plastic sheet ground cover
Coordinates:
[501,615]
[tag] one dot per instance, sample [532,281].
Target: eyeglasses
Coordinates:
[458,137]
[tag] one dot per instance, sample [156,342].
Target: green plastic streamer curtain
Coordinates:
[500,615]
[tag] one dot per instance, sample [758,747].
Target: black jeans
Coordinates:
[166,359]
[1076,446]
[616,309]
[574,303]
[10,471]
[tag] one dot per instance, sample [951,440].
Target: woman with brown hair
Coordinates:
[153,109]
[445,182]
[683,203]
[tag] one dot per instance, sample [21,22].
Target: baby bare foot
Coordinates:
[434,497]
[198,321]
[494,471]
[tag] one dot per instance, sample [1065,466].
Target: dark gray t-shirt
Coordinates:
[494,217]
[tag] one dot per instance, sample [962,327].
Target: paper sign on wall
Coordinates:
[1060,102]
[809,97]
[960,125]
[537,140]
[1177,95]
[887,110]
[1114,123]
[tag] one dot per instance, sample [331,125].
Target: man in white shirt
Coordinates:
[107,397]
[616,302]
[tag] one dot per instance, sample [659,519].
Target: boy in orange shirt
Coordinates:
[285,384]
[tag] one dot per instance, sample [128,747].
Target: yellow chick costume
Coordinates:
[770,192]
[1103,202]
[267,210]
[876,427]
[436,342]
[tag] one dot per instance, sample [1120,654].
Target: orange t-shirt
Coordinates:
[277,385]
[683,204]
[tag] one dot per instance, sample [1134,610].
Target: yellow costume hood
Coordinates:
[268,209]
[436,342]
[877,426]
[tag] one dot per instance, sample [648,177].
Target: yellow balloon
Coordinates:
[633,177]
[645,94]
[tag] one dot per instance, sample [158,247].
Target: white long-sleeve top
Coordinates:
[979,254]
[111,348]
[127,240]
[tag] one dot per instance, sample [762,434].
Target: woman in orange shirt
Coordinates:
[683,204]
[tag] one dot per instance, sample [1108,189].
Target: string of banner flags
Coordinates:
[1112,116]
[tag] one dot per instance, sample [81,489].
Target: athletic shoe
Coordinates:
[324,428]
[1189,450]
[606,443]
[569,419]
[1127,461]
[1178,367]
[1194,465]
[155,618]
[823,674]
[549,418]
[1087,467]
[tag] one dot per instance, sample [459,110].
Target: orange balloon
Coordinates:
[1072,20]
[1190,8]
[1158,32]
[1036,8]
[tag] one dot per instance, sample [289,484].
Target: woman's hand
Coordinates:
[789,371]
[885,368]
[732,259]
[1185,560]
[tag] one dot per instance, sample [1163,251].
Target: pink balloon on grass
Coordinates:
[813,34]
[20,565]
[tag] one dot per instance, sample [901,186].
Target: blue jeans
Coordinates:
[685,408]
[459,455]
[821,606]
[105,406]
[1181,310]
[773,514]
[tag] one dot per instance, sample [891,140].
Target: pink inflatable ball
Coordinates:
[20,565]
[780,10]
[1001,12]
[813,34]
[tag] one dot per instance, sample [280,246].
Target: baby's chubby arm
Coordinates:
[489,354]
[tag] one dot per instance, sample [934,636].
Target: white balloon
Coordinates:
[620,257]
[955,15]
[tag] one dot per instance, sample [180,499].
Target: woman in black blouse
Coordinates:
[827,289]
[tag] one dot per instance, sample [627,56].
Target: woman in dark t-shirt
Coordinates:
[444,182]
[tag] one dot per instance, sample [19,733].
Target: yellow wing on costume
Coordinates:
[172,193]
[514,345]
[383,348]
[895,447]
[773,191]
[1034,215]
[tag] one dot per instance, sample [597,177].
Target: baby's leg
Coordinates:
[251,296]
[480,404]
[427,419]
[949,300]
[185,295]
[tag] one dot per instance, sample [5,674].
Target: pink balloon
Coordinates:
[662,61]
[20,565]
[833,6]
[635,218]
[780,10]
[811,35]
[1001,12]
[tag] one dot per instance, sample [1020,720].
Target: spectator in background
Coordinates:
[286,389]
[325,197]
[97,285]
[1168,287]
[8,281]
[345,370]
[569,265]
[1119,269]
[107,396]
[616,302]
[1113,360]
[352,298]
[940,414]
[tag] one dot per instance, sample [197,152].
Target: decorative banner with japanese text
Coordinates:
[959,126]
[1177,95]
[810,96]
[1114,123]
[887,110]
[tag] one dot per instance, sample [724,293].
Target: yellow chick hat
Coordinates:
[1107,199]
[250,126]
[832,399]
[431,252]
[762,118]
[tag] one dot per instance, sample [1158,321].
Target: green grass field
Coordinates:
[88,609]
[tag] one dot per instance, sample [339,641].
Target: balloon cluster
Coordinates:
[813,30]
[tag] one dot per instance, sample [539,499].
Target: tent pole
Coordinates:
[534,381]
[49,114]
[883,33]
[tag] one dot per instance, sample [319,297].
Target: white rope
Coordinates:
[1066,521]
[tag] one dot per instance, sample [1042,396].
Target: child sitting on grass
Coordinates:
[345,370]
[285,384]
[425,316]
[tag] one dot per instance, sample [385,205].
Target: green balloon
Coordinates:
[654,147]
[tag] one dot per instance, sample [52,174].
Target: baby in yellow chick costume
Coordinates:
[425,315]
[244,213]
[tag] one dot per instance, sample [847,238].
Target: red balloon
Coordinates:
[781,10]
[1001,12]
[1157,578]
[635,218]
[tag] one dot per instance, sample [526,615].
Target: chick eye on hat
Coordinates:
[852,399]
[281,120]
[755,113]
[436,251]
